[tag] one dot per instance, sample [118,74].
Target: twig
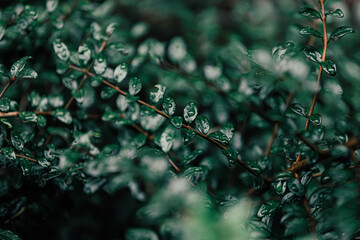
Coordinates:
[276,126]
[12,79]
[167,116]
[102,47]
[14,19]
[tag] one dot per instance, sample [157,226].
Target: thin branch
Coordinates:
[102,47]
[12,79]
[28,158]
[168,117]
[14,19]
[312,146]
[276,126]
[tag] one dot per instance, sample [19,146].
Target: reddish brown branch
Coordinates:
[102,47]
[167,116]
[14,19]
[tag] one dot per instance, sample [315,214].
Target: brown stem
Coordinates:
[102,47]
[14,19]
[168,117]
[12,79]
[28,158]
[325,41]
[276,126]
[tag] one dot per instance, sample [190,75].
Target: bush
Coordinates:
[179,119]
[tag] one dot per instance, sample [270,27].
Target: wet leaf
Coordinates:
[310,12]
[19,66]
[268,208]
[329,67]
[176,121]
[228,130]
[62,115]
[190,112]
[100,64]
[310,31]
[169,106]
[155,97]
[202,124]
[84,54]
[120,72]
[340,32]
[315,119]
[313,54]
[61,50]
[2,29]
[28,116]
[9,153]
[51,5]
[336,13]
[134,85]
[298,109]
[167,139]
[187,135]
[8,235]
[231,155]
[4,104]
[220,137]
[296,187]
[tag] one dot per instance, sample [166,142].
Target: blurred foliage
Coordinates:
[151,119]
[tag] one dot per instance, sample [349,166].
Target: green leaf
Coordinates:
[310,31]
[120,72]
[167,139]
[155,97]
[169,106]
[188,135]
[2,29]
[96,81]
[41,121]
[8,235]
[220,137]
[140,234]
[4,72]
[202,124]
[4,104]
[134,85]
[190,156]
[315,119]
[336,13]
[84,54]
[62,115]
[228,130]
[195,174]
[31,11]
[6,122]
[296,187]
[298,109]
[28,73]
[313,54]
[176,121]
[61,50]
[18,66]
[231,155]
[120,47]
[51,5]
[28,116]
[268,208]
[190,112]
[9,153]
[16,140]
[310,12]
[340,32]
[107,92]
[329,67]
[100,64]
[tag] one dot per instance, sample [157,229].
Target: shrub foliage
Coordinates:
[156,119]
